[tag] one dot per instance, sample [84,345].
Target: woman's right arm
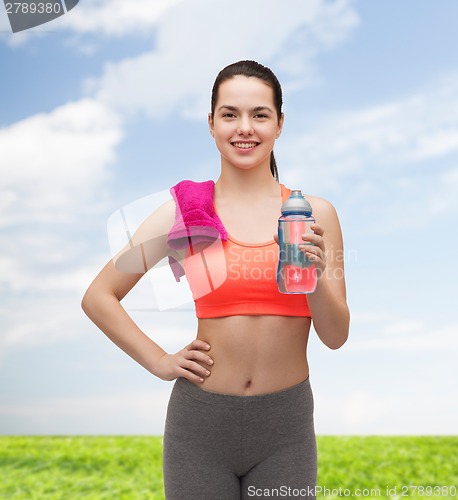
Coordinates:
[102,304]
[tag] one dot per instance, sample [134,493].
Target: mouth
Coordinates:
[245,145]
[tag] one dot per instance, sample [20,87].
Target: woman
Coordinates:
[240,417]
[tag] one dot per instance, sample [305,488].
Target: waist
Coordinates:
[291,393]
[255,354]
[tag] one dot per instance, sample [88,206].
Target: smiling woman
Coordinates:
[244,85]
[240,415]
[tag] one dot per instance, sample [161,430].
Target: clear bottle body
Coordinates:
[296,273]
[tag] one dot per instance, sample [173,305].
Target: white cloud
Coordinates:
[377,332]
[398,136]
[196,23]
[116,17]
[179,72]
[373,412]
[403,327]
[358,412]
[44,308]
[53,161]
[444,200]
[53,166]
[39,319]
[124,412]
[110,18]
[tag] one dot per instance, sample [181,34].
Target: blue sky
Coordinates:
[106,106]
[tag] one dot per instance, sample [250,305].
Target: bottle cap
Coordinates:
[296,203]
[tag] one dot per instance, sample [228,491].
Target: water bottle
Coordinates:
[296,273]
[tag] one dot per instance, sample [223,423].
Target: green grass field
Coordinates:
[129,467]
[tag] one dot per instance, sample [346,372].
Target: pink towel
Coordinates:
[195,219]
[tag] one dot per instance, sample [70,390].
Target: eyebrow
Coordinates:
[234,108]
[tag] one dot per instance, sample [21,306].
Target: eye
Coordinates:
[228,115]
[261,116]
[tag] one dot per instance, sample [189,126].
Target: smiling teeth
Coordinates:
[245,145]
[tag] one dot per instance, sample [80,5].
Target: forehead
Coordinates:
[242,90]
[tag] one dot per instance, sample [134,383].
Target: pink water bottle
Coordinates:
[295,272]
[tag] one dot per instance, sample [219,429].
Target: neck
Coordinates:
[244,184]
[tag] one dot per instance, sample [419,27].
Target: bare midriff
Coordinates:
[255,354]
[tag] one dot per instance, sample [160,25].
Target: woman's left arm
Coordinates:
[328,303]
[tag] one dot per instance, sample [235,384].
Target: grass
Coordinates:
[129,467]
[90,467]
[378,462]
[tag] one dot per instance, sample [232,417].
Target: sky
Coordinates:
[104,109]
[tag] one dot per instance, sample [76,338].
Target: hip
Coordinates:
[240,431]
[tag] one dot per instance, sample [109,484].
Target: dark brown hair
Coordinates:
[251,69]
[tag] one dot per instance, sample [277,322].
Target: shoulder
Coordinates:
[326,216]
[157,224]
[321,207]
[166,212]
[148,244]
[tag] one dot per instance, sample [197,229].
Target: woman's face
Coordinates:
[245,124]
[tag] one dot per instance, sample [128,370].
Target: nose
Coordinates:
[245,127]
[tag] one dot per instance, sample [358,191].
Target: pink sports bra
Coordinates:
[230,278]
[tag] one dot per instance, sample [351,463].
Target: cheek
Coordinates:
[223,131]
[269,133]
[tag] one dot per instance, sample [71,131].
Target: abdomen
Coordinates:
[255,354]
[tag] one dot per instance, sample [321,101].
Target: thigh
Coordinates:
[192,478]
[280,447]
[291,472]
[198,451]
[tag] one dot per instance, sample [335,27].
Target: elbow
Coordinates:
[338,342]
[333,340]
[87,302]
[336,336]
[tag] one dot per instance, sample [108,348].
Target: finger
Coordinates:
[314,239]
[317,229]
[195,367]
[199,344]
[192,377]
[317,258]
[194,351]
[200,356]
[313,246]
[313,251]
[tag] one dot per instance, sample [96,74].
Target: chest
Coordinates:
[250,224]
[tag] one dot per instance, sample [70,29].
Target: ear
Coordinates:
[210,124]
[280,125]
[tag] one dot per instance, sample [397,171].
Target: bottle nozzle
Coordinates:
[296,203]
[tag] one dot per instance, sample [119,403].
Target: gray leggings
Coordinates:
[229,447]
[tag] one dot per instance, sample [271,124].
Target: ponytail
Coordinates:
[273,166]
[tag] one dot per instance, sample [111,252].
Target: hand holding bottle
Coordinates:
[301,247]
[313,246]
